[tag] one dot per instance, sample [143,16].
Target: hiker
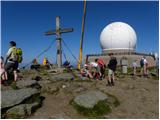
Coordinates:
[145,66]
[111,70]
[134,65]
[35,65]
[142,66]
[2,70]
[86,71]
[11,61]
[102,67]
[46,63]
[95,69]
[66,64]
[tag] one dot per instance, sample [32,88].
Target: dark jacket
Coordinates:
[112,64]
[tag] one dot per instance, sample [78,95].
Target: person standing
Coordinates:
[145,66]
[111,70]
[134,65]
[142,66]
[11,61]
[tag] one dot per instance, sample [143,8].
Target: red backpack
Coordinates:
[101,62]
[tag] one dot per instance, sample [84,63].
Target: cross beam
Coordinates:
[58,33]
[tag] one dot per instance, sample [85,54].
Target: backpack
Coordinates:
[142,62]
[17,55]
[101,62]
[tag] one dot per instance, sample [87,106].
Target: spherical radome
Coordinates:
[118,35]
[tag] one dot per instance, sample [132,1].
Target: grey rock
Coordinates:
[11,98]
[80,89]
[26,83]
[64,76]
[43,82]
[21,111]
[50,88]
[90,99]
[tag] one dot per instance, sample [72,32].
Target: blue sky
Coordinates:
[26,22]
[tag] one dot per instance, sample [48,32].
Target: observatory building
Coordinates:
[120,39]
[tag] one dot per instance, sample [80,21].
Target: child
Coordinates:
[2,70]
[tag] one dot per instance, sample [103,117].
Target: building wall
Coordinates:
[130,58]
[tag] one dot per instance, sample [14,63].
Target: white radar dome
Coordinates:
[118,36]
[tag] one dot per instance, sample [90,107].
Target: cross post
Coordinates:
[58,33]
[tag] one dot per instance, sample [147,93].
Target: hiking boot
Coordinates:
[109,84]
[112,83]
[5,83]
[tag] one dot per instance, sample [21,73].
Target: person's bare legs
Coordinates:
[134,71]
[145,70]
[113,79]
[6,75]
[142,71]
[109,77]
[15,75]
[90,75]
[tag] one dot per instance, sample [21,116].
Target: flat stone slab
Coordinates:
[11,98]
[90,99]
[21,111]
[26,83]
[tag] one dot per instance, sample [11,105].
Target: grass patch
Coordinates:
[113,100]
[14,86]
[44,73]
[96,112]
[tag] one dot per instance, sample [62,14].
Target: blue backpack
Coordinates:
[142,62]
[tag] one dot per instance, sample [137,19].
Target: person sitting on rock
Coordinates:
[35,65]
[96,69]
[66,64]
[86,71]
[46,63]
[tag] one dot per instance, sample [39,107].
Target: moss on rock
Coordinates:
[97,111]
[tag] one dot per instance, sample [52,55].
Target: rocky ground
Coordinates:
[58,94]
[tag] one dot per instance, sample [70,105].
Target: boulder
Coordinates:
[26,83]
[90,99]
[21,111]
[11,98]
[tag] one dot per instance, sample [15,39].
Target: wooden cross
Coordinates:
[58,33]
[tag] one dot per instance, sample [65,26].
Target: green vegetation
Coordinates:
[44,73]
[14,86]
[96,112]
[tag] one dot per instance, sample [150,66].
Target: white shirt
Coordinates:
[134,64]
[93,64]
[10,52]
[145,61]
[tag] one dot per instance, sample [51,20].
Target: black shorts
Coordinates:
[11,65]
